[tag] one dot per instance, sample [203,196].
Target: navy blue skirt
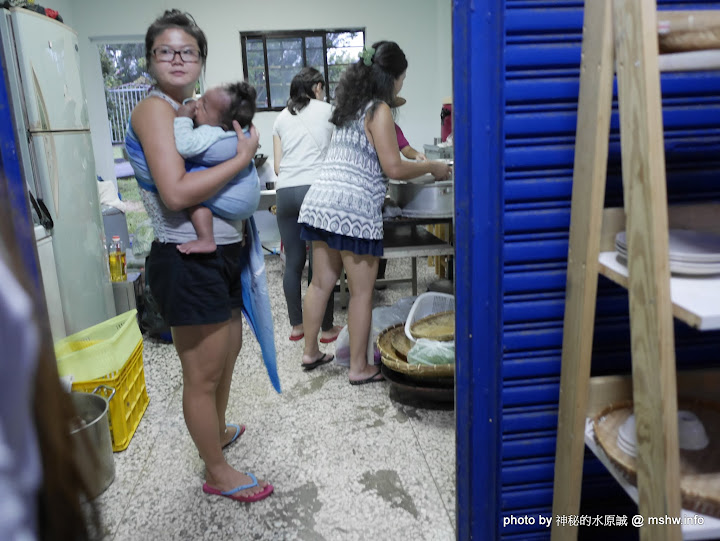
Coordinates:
[343,242]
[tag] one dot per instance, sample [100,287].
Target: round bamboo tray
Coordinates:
[688,31]
[390,358]
[699,470]
[439,326]
[680,42]
[402,344]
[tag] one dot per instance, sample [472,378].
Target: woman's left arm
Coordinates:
[277,154]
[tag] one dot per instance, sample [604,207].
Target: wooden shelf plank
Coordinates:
[691,530]
[696,301]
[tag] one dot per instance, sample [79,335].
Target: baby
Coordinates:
[203,136]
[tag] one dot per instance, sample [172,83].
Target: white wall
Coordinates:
[421,27]
[63,7]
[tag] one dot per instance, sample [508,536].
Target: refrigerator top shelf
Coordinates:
[24,12]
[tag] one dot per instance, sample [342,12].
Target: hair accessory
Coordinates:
[367,55]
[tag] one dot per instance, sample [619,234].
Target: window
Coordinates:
[272,59]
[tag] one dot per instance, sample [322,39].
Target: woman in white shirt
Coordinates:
[301,135]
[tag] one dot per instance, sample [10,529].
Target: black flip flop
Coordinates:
[323,359]
[371,379]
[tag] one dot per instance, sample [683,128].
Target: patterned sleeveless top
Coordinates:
[348,196]
[168,225]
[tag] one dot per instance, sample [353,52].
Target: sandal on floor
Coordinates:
[232,494]
[239,431]
[296,337]
[371,379]
[323,359]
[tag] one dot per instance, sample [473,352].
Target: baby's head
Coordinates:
[220,105]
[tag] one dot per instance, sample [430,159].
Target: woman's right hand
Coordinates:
[247,146]
[439,170]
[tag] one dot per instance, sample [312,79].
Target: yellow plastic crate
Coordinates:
[130,401]
[109,353]
[99,350]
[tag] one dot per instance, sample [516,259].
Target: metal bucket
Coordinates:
[91,440]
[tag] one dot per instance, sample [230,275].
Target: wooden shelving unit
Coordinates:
[622,36]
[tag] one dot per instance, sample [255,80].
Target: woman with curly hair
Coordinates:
[342,211]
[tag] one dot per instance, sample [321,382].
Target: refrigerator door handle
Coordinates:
[42,212]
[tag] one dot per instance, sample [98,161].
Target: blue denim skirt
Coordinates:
[343,242]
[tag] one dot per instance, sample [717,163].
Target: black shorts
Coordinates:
[195,289]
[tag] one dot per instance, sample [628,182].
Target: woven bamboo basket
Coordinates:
[390,358]
[688,31]
[699,470]
[439,326]
[402,344]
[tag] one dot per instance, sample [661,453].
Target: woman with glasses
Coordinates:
[301,135]
[199,295]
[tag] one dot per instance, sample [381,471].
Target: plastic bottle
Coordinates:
[117,260]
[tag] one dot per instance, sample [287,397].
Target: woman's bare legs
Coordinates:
[223,391]
[361,272]
[205,352]
[327,265]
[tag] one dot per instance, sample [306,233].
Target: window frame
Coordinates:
[280,34]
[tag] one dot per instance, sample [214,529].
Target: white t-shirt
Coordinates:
[305,137]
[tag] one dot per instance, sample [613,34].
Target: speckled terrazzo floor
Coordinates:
[347,463]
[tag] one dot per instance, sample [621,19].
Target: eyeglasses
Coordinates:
[166,54]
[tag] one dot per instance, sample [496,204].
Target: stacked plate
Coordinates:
[626,437]
[692,435]
[690,252]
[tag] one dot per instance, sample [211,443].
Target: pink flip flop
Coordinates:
[233,494]
[296,337]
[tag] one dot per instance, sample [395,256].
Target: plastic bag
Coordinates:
[150,319]
[382,318]
[431,352]
[342,348]
[143,239]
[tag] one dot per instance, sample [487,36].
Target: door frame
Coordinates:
[478,111]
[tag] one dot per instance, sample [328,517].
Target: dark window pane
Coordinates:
[254,45]
[313,42]
[284,61]
[335,71]
[284,57]
[345,39]
[280,94]
[256,75]
[314,57]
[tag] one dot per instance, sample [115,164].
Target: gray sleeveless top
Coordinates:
[175,226]
[348,196]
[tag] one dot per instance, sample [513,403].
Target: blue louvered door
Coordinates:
[522,156]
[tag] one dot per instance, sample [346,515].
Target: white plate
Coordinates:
[679,267]
[686,245]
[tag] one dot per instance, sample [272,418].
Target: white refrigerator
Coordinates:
[42,71]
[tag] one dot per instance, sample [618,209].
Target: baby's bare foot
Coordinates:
[199,246]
